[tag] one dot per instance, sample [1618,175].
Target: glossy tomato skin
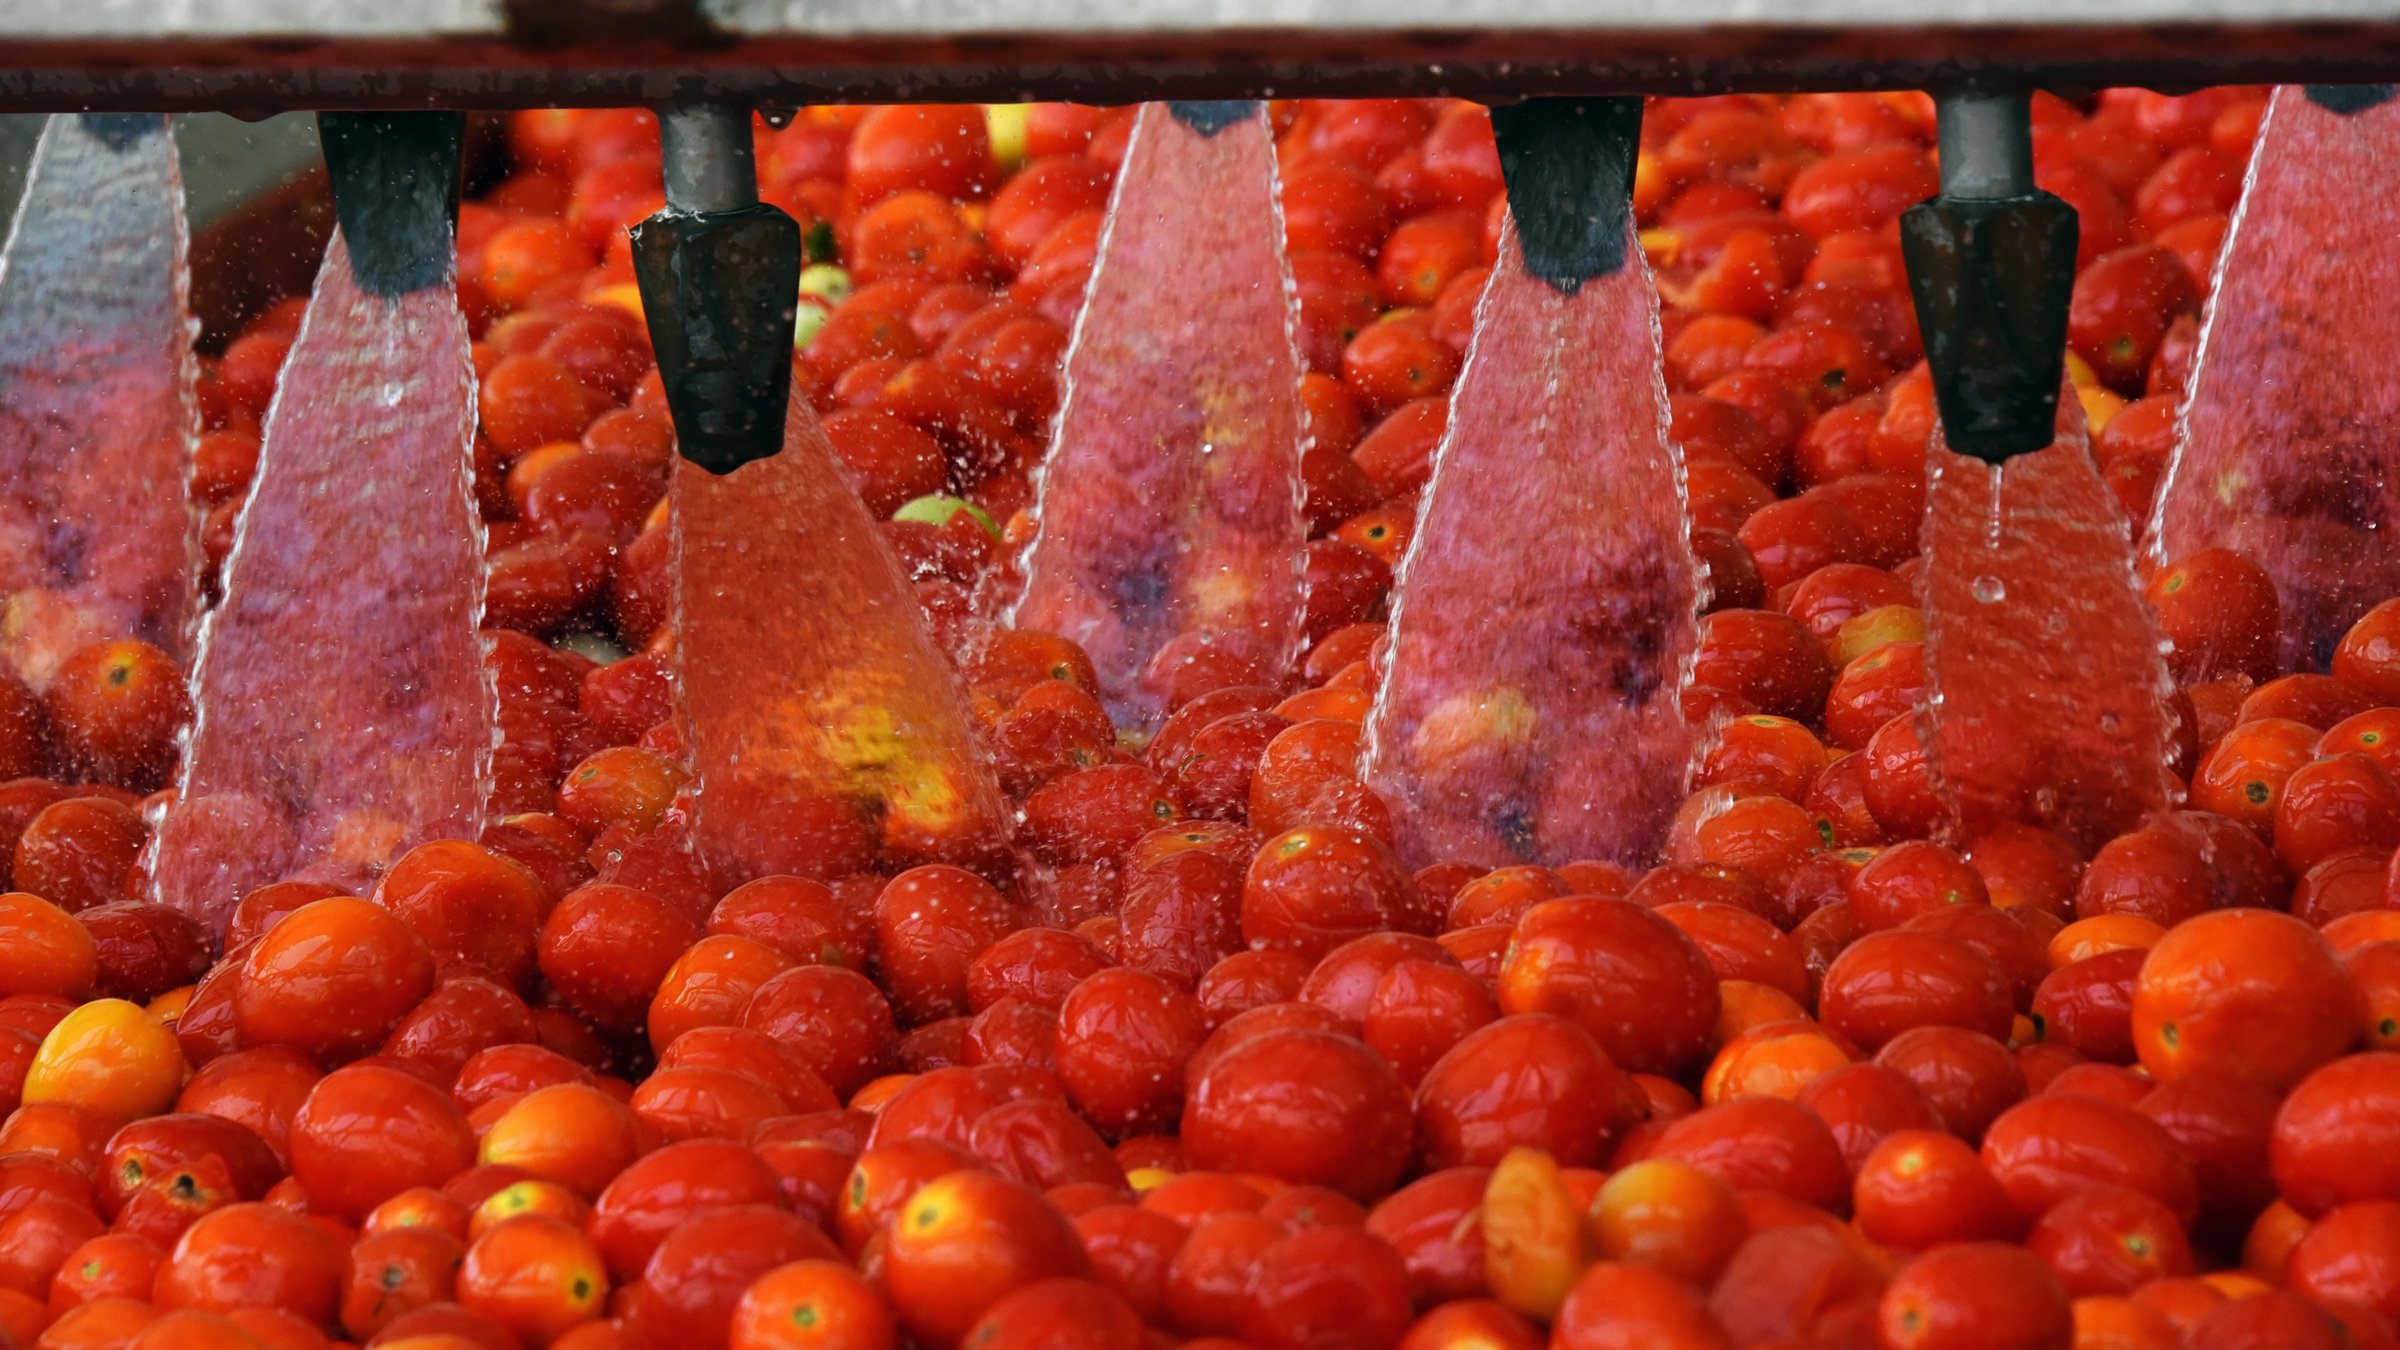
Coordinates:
[1307,1106]
[2110,1240]
[1420,1010]
[826,1300]
[2224,1124]
[1894,981]
[1863,1104]
[1628,978]
[1433,1223]
[1919,1188]
[1669,1216]
[2044,1149]
[253,1255]
[1044,1143]
[148,1149]
[1992,1293]
[2331,1135]
[1123,1040]
[695,1277]
[1070,1314]
[1968,1077]
[605,948]
[962,1242]
[396,1272]
[2245,991]
[882,1178]
[1616,1303]
[1329,1285]
[1532,1080]
[367,1133]
[1310,890]
[932,922]
[837,1018]
[1761,1143]
[1132,1250]
[658,1192]
[331,979]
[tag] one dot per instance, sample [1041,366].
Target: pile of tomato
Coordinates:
[1213,1068]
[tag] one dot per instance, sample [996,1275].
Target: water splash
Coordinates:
[1170,506]
[2290,433]
[2048,694]
[826,731]
[343,709]
[97,537]
[1545,618]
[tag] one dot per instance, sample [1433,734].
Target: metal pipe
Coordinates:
[710,160]
[1987,144]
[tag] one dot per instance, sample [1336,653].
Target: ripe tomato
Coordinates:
[963,1241]
[2206,984]
[811,1305]
[331,979]
[1997,1294]
[1307,1106]
[533,1276]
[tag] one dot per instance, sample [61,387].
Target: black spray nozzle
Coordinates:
[2350,98]
[1991,265]
[395,191]
[720,279]
[1210,117]
[121,131]
[1568,165]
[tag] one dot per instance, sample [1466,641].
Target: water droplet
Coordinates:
[392,390]
[1989,590]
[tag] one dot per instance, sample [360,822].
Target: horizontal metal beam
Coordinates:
[268,55]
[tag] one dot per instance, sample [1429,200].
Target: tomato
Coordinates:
[1633,982]
[811,1305]
[2048,1147]
[331,978]
[607,948]
[2206,983]
[1890,982]
[114,709]
[1996,1294]
[534,1276]
[1329,1285]
[710,984]
[692,1286]
[77,852]
[396,1272]
[1123,1040]
[1668,1216]
[963,1241]
[570,1133]
[1620,1304]
[1968,1078]
[1864,1104]
[2218,611]
[108,1057]
[366,1133]
[1304,1105]
[468,903]
[1486,1095]
[43,949]
[253,1255]
[931,148]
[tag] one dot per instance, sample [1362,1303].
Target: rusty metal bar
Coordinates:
[267,55]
